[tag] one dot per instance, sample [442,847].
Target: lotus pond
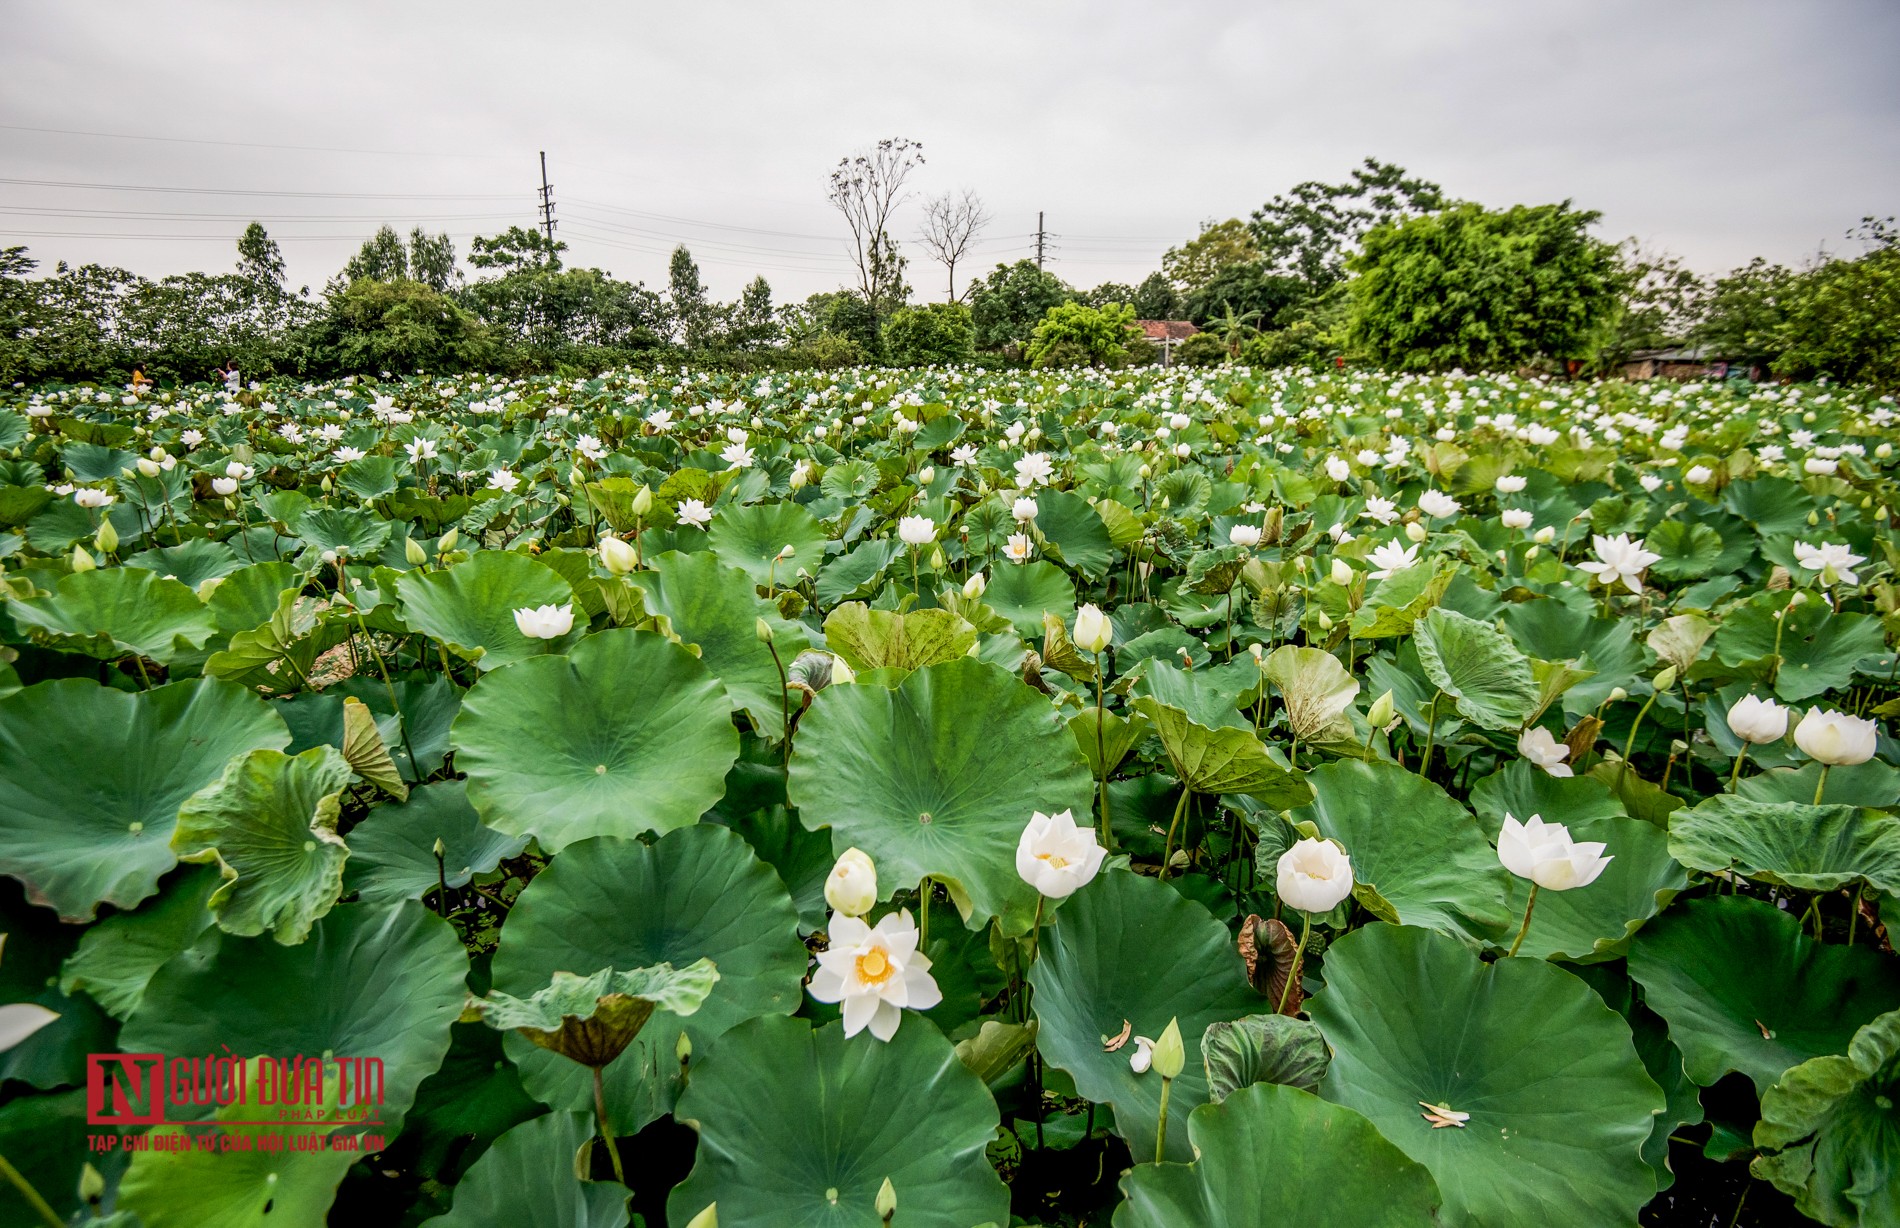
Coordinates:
[947,798]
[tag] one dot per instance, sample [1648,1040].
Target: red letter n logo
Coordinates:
[125,1089]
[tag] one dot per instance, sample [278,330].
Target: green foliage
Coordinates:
[1073,335]
[1310,232]
[1219,246]
[398,325]
[1844,322]
[1477,288]
[931,334]
[1007,306]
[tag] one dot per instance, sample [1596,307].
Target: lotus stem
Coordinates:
[1853,914]
[442,886]
[1161,1127]
[1526,927]
[1820,786]
[40,1205]
[1167,846]
[784,706]
[1101,755]
[923,914]
[1736,774]
[1629,743]
[1431,734]
[1299,960]
[606,1131]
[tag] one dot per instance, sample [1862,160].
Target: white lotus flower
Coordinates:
[1034,469]
[1385,511]
[1619,558]
[420,450]
[1391,557]
[1757,720]
[1438,504]
[737,455]
[345,455]
[694,512]
[1545,854]
[1023,510]
[1537,745]
[87,497]
[851,887]
[1337,469]
[617,556]
[1057,856]
[19,1020]
[504,480]
[224,486]
[1093,631]
[917,530]
[1313,876]
[1515,518]
[1244,535]
[875,972]
[1018,548]
[547,622]
[1835,738]
[964,454]
[1833,560]
[1511,483]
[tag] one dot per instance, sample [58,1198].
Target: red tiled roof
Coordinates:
[1170,330]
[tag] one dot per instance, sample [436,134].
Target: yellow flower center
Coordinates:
[873,967]
[1055,862]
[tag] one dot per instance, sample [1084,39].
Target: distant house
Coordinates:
[1686,362]
[1167,334]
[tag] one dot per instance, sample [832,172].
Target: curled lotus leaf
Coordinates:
[592,1019]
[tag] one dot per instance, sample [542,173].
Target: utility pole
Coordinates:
[547,200]
[1041,236]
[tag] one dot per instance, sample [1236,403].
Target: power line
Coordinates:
[138,187]
[186,140]
[158,215]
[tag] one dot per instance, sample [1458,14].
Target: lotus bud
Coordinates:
[1169,1055]
[107,538]
[1325,622]
[683,1049]
[326,484]
[1546,535]
[926,476]
[328,556]
[413,551]
[441,850]
[974,586]
[1257,651]
[642,504]
[1665,679]
[617,556]
[937,560]
[1382,711]
[1093,631]
[149,467]
[886,1201]
[1532,553]
[448,541]
[1617,695]
[576,476]
[1414,531]
[709,1218]
[763,630]
[851,887]
[1341,572]
[785,552]
[81,560]
[92,1186]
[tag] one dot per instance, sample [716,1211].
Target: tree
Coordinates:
[515,249]
[1310,232]
[1008,304]
[259,259]
[1218,246]
[432,260]
[930,333]
[1656,303]
[752,321]
[1233,328]
[1744,315]
[951,224]
[866,188]
[1155,299]
[1249,289]
[381,258]
[1072,334]
[686,300]
[397,325]
[1481,289]
[1843,321]
[1109,292]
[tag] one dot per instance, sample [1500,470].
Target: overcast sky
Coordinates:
[1716,130]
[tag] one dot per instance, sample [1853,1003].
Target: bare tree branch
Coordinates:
[867,188]
[951,224]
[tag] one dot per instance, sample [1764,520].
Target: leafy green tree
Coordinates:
[1482,289]
[1250,289]
[1108,292]
[693,322]
[381,258]
[1311,231]
[1233,328]
[1843,321]
[931,333]
[432,260]
[1201,350]
[1656,304]
[1219,246]
[1074,334]
[1744,315]
[1007,305]
[1156,299]
[555,318]
[259,259]
[866,188]
[752,323]
[516,249]
[397,326]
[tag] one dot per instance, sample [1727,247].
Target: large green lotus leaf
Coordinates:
[269,825]
[607,1009]
[1282,1049]
[350,531]
[392,852]
[91,780]
[118,957]
[190,563]
[1210,696]
[371,981]
[1814,848]
[1477,665]
[1069,524]
[1129,949]
[718,608]
[751,538]
[1521,789]
[697,893]
[1559,1101]
[1743,988]
[234,1186]
[1828,1135]
[1224,760]
[1660,1057]
[1817,648]
[1315,691]
[876,639]
[938,777]
[1277,1155]
[626,733]
[1413,845]
[114,611]
[1024,592]
[527,1180]
[1588,924]
[471,606]
[249,595]
[1872,783]
[1555,631]
[800,1128]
